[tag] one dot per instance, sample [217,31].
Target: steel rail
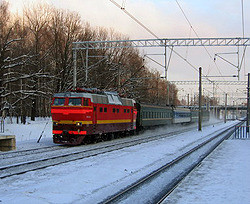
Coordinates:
[76,155]
[18,153]
[5,171]
[125,193]
[211,150]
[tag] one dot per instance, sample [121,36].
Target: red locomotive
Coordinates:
[84,114]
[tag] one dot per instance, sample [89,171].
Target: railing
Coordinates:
[241,132]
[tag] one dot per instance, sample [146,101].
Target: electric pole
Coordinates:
[200,98]
[248,95]
[225,114]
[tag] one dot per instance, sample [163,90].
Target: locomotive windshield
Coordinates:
[59,101]
[75,101]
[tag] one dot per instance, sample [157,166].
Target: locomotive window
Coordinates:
[75,101]
[85,102]
[113,110]
[117,110]
[105,110]
[59,101]
[101,109]
[125,111]
[128,110]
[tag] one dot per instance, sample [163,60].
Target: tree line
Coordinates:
[36,61]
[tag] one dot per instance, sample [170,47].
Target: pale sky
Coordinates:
[209,18]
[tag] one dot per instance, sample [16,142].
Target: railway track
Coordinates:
[19,162]
[20,153]
[13,154]
[156,186]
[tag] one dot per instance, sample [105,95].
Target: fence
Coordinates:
[241,132]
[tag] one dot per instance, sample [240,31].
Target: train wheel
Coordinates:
[111,136]
[87,140]
[132,132]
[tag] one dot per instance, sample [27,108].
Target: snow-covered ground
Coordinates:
[92,179]
[28,134]
[223,177]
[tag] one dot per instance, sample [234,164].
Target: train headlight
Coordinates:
[78,124]
[55,123]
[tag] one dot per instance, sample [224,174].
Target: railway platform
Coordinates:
[221,178]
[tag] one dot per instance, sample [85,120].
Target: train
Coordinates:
[83,115]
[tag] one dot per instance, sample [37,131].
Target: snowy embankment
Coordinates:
[28,134]
[92,179]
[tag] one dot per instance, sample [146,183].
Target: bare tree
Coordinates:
[65,28]
[37,18]
[36,61]
[10,59]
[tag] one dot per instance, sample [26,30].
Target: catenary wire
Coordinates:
[197,36]
[141,24]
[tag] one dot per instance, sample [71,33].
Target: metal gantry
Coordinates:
[145,43]
[164,42]
[209,82]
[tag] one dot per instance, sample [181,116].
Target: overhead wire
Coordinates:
[135,19]
[200,38]
[123,3]
[146,28]
[197,35]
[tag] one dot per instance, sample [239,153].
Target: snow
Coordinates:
[28,134]
[223,177]
[91,180]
